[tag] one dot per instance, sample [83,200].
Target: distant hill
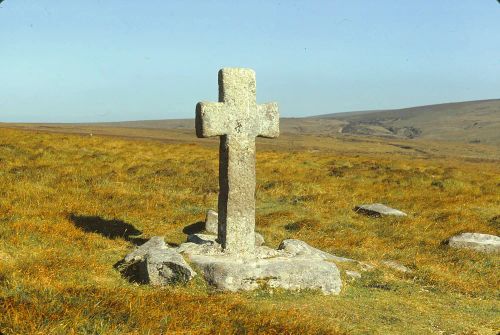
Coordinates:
[466,122]
[472,121]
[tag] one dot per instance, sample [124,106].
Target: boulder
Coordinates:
[476,241]
[211,222]
[378,210]
[156,263]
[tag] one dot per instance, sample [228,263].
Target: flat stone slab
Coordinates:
[377,210]
[157,264]
[287,268]
[230,273]
[476,241]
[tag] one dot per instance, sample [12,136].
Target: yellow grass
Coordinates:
[56,278]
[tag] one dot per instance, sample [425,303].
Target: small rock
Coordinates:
[377,210]
[156,264]
[353,274]
[396,266]
[211,222]
[476,241]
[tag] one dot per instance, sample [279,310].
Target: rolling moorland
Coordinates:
[466,122]
[72,205]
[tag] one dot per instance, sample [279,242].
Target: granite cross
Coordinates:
[237,119]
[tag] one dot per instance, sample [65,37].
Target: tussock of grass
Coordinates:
[72,206]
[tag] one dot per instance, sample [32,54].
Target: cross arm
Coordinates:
[268,120]
[210,119]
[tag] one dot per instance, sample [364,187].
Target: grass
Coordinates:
[58,278]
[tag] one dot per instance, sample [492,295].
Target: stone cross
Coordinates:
[237,119]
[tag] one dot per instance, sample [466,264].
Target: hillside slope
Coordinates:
[472,121]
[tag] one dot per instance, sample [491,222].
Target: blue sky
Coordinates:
[83,61]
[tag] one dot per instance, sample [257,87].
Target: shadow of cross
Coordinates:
[238,119]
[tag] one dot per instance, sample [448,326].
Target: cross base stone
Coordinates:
[265,268]
[295,265]
[296,273]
